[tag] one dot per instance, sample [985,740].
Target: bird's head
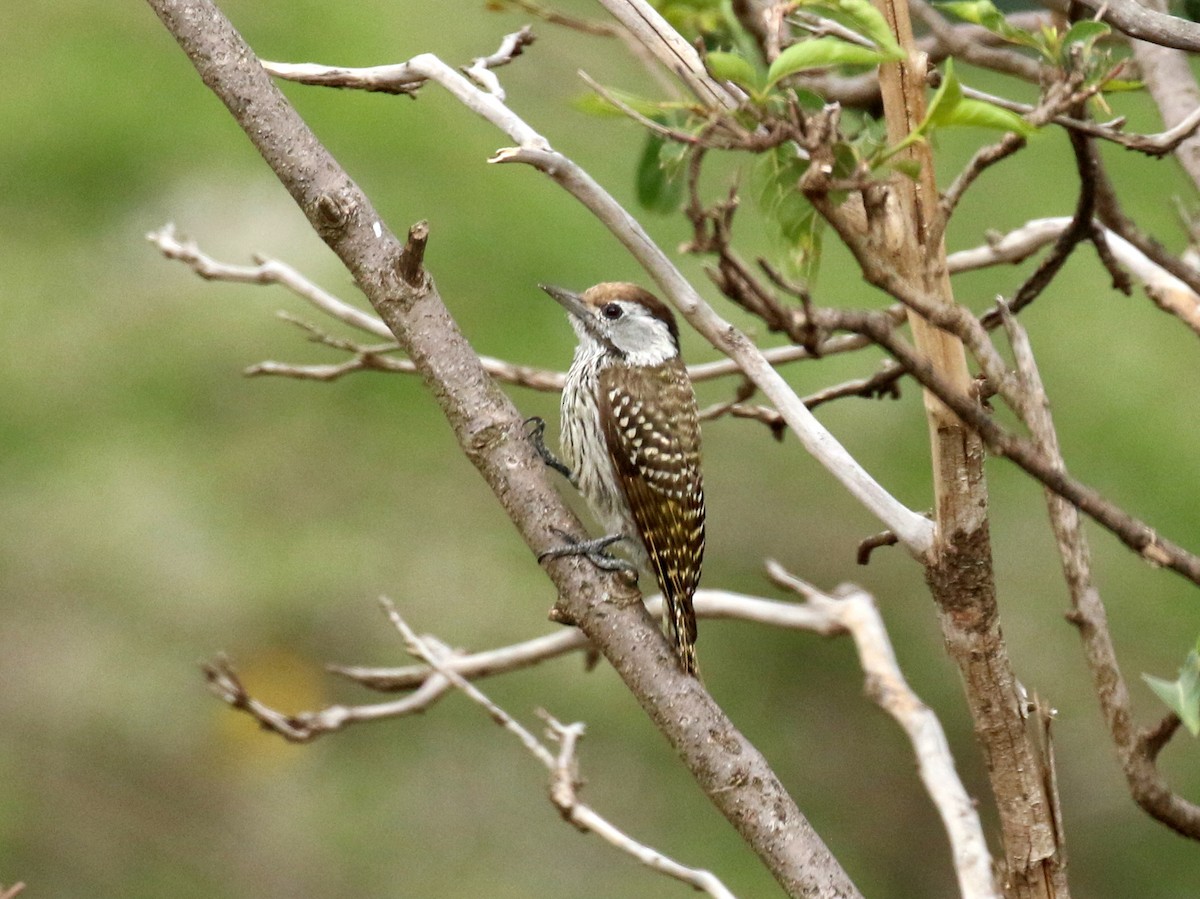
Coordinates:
[623,319]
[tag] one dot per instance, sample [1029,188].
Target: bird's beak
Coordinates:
[581,316]
[572,302]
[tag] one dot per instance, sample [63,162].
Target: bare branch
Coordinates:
[872,543]
[305,727]
[679,57]
[879,385]
[845,343]
[1184,304]
[563,795]
[1171,83]
[1168,292]
[709,604]
[1080,228]
[265,271]
[1088,614]
[430,684]
[819,26]
[480,69]
[962,45]
[854,610]
[1058,97]
[554,17]
[404,78]
[649,124]
[1158,144]
[475,665]
[762,414]
[394,79]
[1151,546]
[980,162]
[562,767]
[1135,20]
[375,358]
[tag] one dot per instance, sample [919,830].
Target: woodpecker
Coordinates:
[631,441]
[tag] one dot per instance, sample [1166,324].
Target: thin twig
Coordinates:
[1151,546]
[305,727]
[679,57]
[562,766]
[962,45]
[1088,613]
[1158,144]
[405,77]
[855,610]
[376,358]
[554,17]
[1163,286]
[264,271]
[512,46]
[1079,230]
[1171,83]
[1135,20]
[709,605]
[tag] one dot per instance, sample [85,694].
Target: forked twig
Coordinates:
[564,782]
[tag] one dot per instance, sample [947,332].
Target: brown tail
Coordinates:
[680,621]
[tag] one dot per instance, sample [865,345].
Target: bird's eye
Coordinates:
[611,311]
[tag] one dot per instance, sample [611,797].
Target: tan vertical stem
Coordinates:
[959,570]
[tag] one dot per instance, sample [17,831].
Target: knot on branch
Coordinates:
[331,213]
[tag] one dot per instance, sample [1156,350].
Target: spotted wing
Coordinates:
[653,436]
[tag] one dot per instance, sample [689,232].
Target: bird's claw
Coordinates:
[595,551]
[538,439]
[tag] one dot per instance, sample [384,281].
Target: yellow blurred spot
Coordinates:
[287,682]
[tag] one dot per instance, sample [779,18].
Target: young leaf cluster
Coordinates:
[1072,49]
[861,40]
[1182,695]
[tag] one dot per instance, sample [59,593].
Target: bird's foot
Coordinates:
[595,551]
[537,437]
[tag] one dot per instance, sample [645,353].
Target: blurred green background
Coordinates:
[157,507]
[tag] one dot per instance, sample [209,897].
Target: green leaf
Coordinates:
[595,104]
[945,99]
[793,225]
[821,53]
[1182,696]
[981,114]
[1080,37]
[909,168]
[810,101]
[1086,32]
[1121,85]
[862,17]
[985,13]
[659,189]
[950,108]
[776,173]
[732,67]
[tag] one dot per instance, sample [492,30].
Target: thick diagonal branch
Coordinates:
[732,773]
